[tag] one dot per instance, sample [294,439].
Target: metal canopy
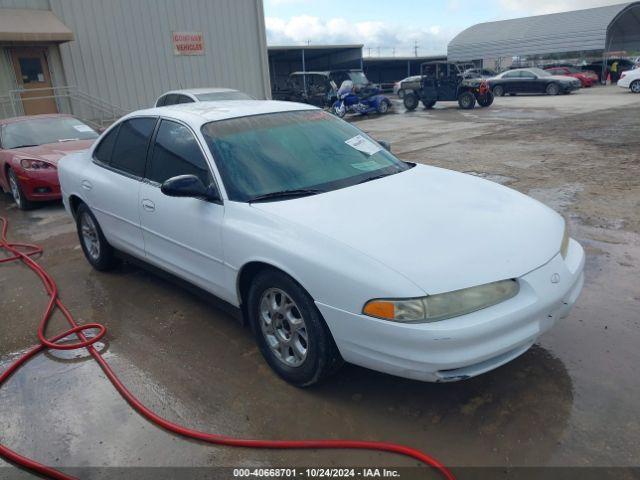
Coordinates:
[614,27]
[32,26]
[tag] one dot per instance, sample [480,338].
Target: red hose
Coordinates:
[24,252]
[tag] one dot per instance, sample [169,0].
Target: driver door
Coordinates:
[181,235]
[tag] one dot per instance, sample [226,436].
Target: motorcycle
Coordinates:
[350,101]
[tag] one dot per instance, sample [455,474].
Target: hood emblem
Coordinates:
[555,278]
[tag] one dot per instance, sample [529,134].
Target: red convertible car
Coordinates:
[30,148]
[587,78]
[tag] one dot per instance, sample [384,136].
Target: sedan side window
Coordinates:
[177,152]
[103,151]
[184,99]
[130,150]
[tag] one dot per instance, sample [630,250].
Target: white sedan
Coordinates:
[330,247]
[630,79]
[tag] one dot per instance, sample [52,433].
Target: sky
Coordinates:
[389,28]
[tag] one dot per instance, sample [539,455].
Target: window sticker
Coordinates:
[369,166]
[363,145]
[83,128]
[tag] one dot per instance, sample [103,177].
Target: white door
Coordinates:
[182,235]
[114,192]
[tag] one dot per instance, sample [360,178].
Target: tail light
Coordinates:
[36,165]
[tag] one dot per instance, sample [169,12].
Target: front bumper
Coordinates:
[40,185]
[468,345]
[624,82]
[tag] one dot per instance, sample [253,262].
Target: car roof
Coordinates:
[199,113]
[4,121]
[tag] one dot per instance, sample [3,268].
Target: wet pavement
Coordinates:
[572,400]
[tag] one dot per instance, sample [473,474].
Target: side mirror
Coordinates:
[384,144]
[189,186]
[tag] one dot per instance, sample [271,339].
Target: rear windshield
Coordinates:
[263,154]
[214,96]
[40,131]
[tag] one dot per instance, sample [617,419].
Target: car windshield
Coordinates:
[40,131]
[214,96]
[358,78]
[309,150]
[539,72]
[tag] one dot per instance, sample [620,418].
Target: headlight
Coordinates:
[564,246]
[442,306]
[35,165]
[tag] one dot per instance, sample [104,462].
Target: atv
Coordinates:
[444,81]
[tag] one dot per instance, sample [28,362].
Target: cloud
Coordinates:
[527,7]
[376,35]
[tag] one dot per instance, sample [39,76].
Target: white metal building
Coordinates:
[101,58]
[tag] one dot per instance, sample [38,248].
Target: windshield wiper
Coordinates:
[26,146]
[300,192]
[375,177]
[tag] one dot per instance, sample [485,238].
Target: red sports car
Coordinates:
[587,78]
[30,148]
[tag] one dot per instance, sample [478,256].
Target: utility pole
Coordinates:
[369,49]
[394,51]
[415,48]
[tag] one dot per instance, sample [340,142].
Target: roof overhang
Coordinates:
[28,26]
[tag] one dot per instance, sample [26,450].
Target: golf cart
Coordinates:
[444,81]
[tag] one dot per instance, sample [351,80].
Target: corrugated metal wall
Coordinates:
[123,52]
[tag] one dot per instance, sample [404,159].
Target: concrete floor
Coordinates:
[572,400]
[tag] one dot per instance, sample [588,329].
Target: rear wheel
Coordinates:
[410,101]
[21,200]
[485,100]
[383,107]
[635,86]
[290,332]
[498,91]
[429,105]
[96,249]
[466,100]
[553,89]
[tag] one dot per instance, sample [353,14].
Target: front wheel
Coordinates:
[485,100]
[339,109]
[553,89]
[18,195]
[635,87]
[290,331]
[96,249]
[429,105]
[466,100]
[410,101]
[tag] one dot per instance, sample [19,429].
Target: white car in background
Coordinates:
[411,83]
[630,79]
[192,95]
[331,247]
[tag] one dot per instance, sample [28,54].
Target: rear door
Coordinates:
[115,189]
[181,235]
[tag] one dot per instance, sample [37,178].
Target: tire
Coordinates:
[498,91]
[467,100]
[16,192]
[96,249]
[410,101]
[553,89]
[301,359]
[429,105]
[486,100]
[338,112]
[635,86]
[383,107]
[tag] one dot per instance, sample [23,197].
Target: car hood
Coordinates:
[52,152]
[443,230]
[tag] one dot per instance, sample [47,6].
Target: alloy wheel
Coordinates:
[635,86]
[90,237]
[15,189]
[283,327]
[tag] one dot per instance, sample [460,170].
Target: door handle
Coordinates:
[148,205]
[86,184]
